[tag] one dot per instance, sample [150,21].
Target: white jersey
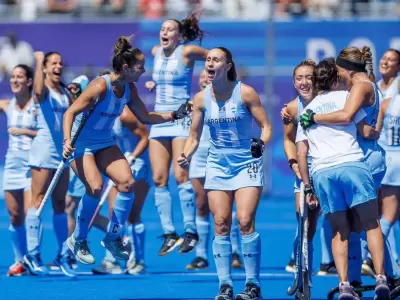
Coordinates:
[392,90]
[331,145]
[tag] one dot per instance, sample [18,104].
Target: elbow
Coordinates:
[347,119]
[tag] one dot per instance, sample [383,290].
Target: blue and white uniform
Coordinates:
[374,153]
[230,165]
[17,175]
[340,176]
[47,146]
[173,85]
[98,133]
[199,159]
[127,142]
[390,140]
[392,90]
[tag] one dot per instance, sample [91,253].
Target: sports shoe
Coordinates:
[236,262]
[251,292]
[382,291]
[198,263]
[63,262]
[116,246]
[35,264]
[137,269]
[367,267]
[225,293]
[189,242]
[16,269]
[291,266]
[346,292]
[81,250]
[327,269]
[107,267]
[171,241]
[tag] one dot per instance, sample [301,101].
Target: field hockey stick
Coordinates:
[63,163]
[304,211]
[104,197]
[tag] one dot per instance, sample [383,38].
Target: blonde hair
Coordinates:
[361,57]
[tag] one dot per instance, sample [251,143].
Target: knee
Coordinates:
[246,224]
[126,185]
[94,188]
[221,225]
[181,176]
[70,206]
[160,179]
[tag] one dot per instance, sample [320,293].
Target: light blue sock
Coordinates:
[392,241]
[122,206]
[235,233]
[355,258]
[251,245]
[364,245]
[60,226]
[391,268]
[188,205]
[109,257]
[164,207]
[326,242]
[33,229]
[222,250]
[137,239]
[203,230]
[295,243]
[86,208]
[18,241]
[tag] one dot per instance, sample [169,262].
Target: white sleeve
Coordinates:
[360,115]
[301,134]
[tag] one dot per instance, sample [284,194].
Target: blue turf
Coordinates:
[167,278]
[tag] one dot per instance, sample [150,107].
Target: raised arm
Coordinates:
[253,103]
[192,53]
[129,120]
[138,108]
[40,91]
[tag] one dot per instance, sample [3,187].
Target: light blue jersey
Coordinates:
[230,165]
[392,90]
[98,133]
[374,153]
[390,140]
[127,143]
[173,86]
[17,174]
[47,146]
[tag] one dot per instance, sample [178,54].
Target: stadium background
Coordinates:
[266,43]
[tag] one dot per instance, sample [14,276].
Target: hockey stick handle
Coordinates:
[62,164]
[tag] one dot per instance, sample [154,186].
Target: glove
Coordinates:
[129,157]
[181,113]
[311,198]
[257,147]
[75,89]
[307,119]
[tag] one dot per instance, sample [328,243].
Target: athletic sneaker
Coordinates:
[171,241]
[251,292]
[116,246]
[382,291]
[137,269]
[189,242]
[225,293]
[394,285]
[346,292]
[291,266]
[35,264]
[16,269]
[81,250]
[367,267]
[63,262]
[198,263]
[327,269]
[236,262]
[107,267]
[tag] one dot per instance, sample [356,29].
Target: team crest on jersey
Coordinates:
[234,108]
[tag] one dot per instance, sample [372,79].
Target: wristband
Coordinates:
[292,161]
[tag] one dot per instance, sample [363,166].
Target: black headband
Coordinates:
[350,65]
